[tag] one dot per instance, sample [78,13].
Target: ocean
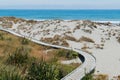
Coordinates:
[96,15]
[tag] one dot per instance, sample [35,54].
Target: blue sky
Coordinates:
[59,4]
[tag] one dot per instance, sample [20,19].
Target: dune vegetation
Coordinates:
[22,59]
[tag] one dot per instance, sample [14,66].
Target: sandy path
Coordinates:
[108,59]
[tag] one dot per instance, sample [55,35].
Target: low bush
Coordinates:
[69,54]
[19,57]
[1,37]
[10,74]
[88,77]
[66,69]
[24,41]
[43,71]
[86,39]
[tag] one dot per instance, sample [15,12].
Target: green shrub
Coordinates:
[71,54]
[10,74]
[43,71]
[24,41]
[65,69]
[53,60]
[9,39]
[67,54]
[1,37]
[88,77]
[61,53]
[19,57]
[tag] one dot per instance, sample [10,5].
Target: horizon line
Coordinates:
[56,9]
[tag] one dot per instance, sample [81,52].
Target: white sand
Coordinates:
[108,59]
[77,60]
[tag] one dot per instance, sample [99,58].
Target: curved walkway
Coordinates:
[77,74]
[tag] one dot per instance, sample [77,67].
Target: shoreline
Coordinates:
[102,21]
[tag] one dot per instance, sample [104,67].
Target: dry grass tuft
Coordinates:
[101,77]
[56,40]
[86,39]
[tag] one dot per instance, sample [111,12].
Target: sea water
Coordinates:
[96,15]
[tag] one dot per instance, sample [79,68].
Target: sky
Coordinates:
[59,4]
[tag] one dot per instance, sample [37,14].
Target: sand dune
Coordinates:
[98,38]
